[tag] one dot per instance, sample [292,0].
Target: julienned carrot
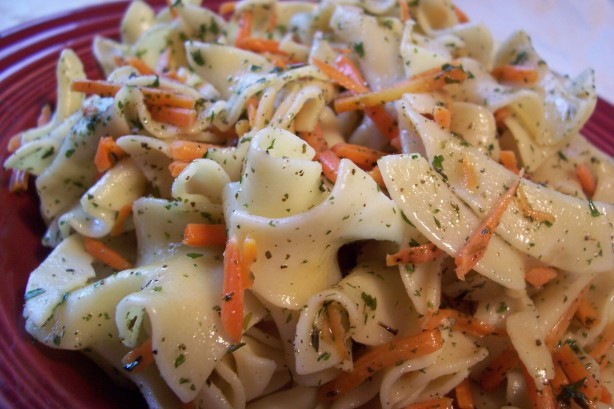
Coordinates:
[495,373]
[462,17]
[271,21]
[428,81]
[45,115]
[18,181]
[14,143]
[252,109]
[501,115]
[559,380]
[120,221]
[376,174]
[435,403]
[105,254]
[473,250]
[260,45]
[363,157]
[540,399]
[153,96]
[587,180]
[405,14]
[378,358]
[528,210]
[459,321]
[508,159]
[227,7]
[180,117]
[171,8]
[108,154]
[138,359]
[586,313]
[187,151]
[469,176]
[233,292]
[560,327]
[339,77]
[464,396]
[201,235]
[415,255]
[538,276]
[245,27]
[442,116]
[333,329]
[515,74]
[327,158]
[603,345]
[576,371]
[176,167]
[135,63]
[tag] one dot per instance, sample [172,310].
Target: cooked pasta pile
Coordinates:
[325,205]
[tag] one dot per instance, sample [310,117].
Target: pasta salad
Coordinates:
[349,203]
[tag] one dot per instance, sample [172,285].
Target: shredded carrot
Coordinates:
[341,78]
[415,255]
[606,396]
[180,117]
[201,235]
[576,371]
[139,65]
[105,254]
[559,380]
[508,159]
[245,27]
[538,276]
[464,396]
[587,180]
[233,292]
[378,358]
[515,74]
[252,109]
[495,373]
[187,151]
[501,115]
[540,399]
[249,255]
[428,81]
[260,45]
[587,314]
[442,116]
[405,14]
[153,96]
[139,359]
[376,174]
[120,221]
[603,345]
[107,154]
[469,176]
[271,22]
[176,167]
[528,210]
[560,327]
[14,143]
[333,330]
[327,158]
[363,157]
[18,181]
[45,115]
[227,7]
[473,250]
[435,403]
[459,321]
[462,17]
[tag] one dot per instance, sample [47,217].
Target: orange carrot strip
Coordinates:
[252,108]
[515,74]
[362,156]
[559,328]
[508,159]
[538,276]
[378,358]
[527,210]
[271,22]
[107,154]
[469,176]
[187,151]
[260,45]
[460,322]
[227,7]
[431,80]
[576,371]
[180,117]
[414,255]
[176,167]
[249,255]
[606,396]
[405,14]
[495,373]
[435,403]
[587,180]
[14,143]
[18,181]
[473,250]
[462,17]
[500,115]
[245,27]
[559,380]
[138,359]
[341,78]
[120,221]
[587,314]
[603,345]
[233,292]
[327,158]
[442,116]
[105,254]
[153,96]
[201,235]
[464,396]
[376,174]
[45,115]
[543,399]
[139,65]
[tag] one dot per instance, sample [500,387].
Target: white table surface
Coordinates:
[570,35]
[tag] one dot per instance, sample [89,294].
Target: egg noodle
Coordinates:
[325,205]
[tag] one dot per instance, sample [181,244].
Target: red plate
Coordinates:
[31,375]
